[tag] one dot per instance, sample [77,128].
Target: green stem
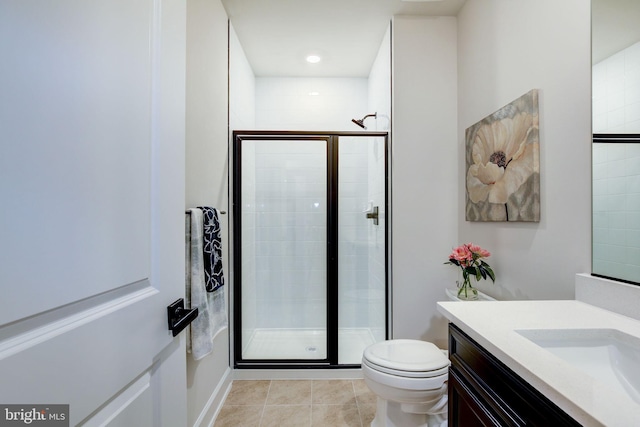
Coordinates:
[465,286]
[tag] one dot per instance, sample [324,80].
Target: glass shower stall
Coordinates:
[310,247]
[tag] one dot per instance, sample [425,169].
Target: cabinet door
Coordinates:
[465,408]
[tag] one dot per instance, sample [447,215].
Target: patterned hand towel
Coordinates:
[213,276]
[201,335]
[205,260]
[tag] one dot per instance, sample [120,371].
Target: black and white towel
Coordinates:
[212,249]
[212,307]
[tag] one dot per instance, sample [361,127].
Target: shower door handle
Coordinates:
[373,215]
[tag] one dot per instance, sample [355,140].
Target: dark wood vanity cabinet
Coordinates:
[484,392]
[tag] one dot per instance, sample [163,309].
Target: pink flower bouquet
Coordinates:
[469,258]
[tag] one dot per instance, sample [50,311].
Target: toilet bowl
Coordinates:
[409,378]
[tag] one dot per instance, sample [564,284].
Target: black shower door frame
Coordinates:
[332,288]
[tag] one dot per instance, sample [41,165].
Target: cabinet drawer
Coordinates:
[501,394]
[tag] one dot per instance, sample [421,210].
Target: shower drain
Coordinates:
[311,349]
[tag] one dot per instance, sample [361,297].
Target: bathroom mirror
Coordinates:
[616,144]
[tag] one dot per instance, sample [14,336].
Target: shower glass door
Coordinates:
[310,282]
[361,245]
[284,257]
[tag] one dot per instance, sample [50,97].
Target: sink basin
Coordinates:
[607,355]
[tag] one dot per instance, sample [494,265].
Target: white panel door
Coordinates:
[92,208]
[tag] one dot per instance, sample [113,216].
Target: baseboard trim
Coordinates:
[296,374]
[216,400]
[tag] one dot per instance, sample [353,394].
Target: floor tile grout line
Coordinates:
[311,411]
[355,395]
[266,399]
[264,404]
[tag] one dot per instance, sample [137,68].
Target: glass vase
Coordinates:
[466,292]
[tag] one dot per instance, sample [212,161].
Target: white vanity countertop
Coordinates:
[492,324]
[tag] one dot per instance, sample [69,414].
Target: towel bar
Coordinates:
[221,212]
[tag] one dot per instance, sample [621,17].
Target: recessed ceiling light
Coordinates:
[313,59]
[314,93]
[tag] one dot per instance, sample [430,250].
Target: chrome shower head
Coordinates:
[361,121]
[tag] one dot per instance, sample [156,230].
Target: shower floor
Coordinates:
[306,344]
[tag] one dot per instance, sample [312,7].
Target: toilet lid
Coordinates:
[406,355]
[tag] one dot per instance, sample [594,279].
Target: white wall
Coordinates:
[285,103]
[206,176]
[425,171]
[505,49]
[242,87]
[242,116]
[379,90]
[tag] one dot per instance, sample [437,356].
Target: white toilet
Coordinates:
[410,379]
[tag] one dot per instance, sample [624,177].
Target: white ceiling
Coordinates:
[277,35]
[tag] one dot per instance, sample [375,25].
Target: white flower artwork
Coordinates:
[503,164]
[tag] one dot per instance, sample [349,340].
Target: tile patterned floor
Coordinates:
[284,403]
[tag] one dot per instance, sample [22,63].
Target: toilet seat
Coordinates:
[406,374]
[406,358]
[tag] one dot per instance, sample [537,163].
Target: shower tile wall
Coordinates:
[249,319]
[376,237]
[353,263]
[289,286]
[290,236]
[616,92]
[616,167]
[616,210]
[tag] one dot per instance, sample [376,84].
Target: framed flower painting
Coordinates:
[503,164]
